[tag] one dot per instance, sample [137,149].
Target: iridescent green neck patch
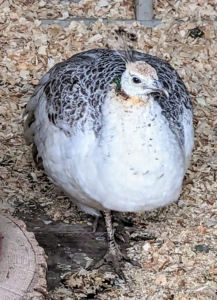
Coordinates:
[117,81]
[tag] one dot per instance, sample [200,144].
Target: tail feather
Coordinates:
[37,159]
[28,132]
[29,126]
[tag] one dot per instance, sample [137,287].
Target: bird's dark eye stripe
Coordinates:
[136,80]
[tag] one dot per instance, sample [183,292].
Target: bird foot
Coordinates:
[115,258]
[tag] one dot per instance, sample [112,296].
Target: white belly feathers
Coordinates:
[134,164]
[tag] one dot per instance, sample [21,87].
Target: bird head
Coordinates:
[140,79]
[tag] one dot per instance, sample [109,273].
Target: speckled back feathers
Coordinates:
[76,89]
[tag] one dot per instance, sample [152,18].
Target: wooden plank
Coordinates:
[67,245]
[90,21]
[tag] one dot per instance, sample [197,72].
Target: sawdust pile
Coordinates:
[180,261]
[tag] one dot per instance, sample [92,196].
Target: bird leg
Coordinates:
[113,256]
[95,224]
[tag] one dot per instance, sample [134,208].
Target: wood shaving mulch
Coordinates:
[185,9]
[62,10]
[180,262]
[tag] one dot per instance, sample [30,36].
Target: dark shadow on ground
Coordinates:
[67,245]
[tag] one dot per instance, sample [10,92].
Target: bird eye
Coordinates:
[136,80]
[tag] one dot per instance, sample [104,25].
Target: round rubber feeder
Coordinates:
[22,262]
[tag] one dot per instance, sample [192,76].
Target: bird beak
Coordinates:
[163,91]
[157,87]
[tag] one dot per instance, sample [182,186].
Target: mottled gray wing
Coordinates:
[76,89]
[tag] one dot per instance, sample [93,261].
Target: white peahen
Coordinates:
[113,133]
